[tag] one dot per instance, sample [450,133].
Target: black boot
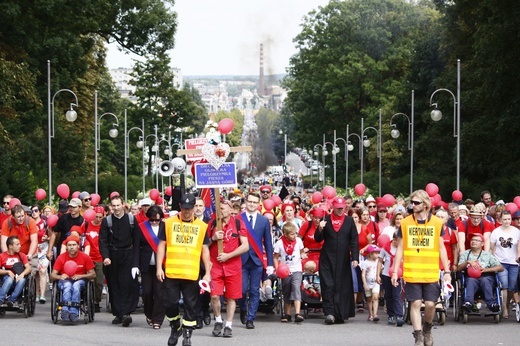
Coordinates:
[175,333]
[186,333]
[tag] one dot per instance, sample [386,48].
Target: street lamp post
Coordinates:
[139,144]
[97,134]
[366,143]
[436,115]
[350,147]
[285,147]
[71,116]
[395,134]
[335,151]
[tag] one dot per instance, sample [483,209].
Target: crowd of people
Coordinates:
[189,260]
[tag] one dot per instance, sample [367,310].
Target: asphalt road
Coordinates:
[39,330]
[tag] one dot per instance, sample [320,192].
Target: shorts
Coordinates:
[232,283]
[374,290]
[429,292]
[509,277]
[291,287]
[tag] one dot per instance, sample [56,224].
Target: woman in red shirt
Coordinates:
[306,233]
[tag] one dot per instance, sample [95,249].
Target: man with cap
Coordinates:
[265,191]
[71,283]
[116,239]
[476,224]
[481,267]
[86,201]
[339,234]
[144,204]
[6,213]
[61,231]
[372,206]
[183,243]
[91,231]
[516,219]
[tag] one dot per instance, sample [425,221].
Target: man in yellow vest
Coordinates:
[183,243]
[420,246]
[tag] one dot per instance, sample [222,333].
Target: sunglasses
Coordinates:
[86,199]
[155,220]
[265,191]
[6,203]
[371,206]
[35,211]
[416,202]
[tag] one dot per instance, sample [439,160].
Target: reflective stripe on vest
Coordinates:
[421,249]
[184,242]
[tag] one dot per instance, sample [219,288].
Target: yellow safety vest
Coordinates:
[421,249]
[184,242]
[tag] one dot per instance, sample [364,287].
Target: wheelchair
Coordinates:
[26,301]
[86,305]
[459,294]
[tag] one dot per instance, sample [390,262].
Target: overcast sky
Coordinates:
[217,37]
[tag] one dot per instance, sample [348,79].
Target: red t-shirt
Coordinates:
[42,230]
[450,238]
[21,231]
[92,235]
[7,261]
[365,231]
[484,227]
[82,260]
[308,236]
[230,243]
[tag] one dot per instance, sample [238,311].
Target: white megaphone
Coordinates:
[166,168]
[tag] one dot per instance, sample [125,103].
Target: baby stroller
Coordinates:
[311,293]
[272,306]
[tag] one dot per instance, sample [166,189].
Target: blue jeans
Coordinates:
[71,292]
[509,277]
[486,284]
[7,284]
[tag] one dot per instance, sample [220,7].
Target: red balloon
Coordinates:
[388,200]
[277,200]
[89,215]
[63,191]
[70,268]
[168,191]
[360,189]
[114,194]
[159,201]
[13,202]
[456,195]
[511,207]
[52,220]
[517,201]
[328,192]
[283,271]
[474,273]
[383,240]
[432,189]
[94,199]
[75,194]
[317,197]
[438,199]
[268,204]
[225,126]
[154,194]
[40,194]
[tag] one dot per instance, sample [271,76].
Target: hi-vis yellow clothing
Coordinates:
[421,249]
[184,242]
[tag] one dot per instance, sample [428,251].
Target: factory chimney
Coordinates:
[261,86]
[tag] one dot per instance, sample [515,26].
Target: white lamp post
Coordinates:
[395,134]
[285,147]
[436,115]
[97,134]
[336,151]
[350,147]
[366,143]
[71,116]
[140,145]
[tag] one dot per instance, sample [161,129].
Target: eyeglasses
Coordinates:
[416,202]
[35,211]
[476,240]
[86,199]
[155,220]
[371,206]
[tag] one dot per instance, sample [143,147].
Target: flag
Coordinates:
[208,195]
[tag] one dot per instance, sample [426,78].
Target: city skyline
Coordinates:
[223,38]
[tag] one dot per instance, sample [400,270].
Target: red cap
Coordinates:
[266,187]
[72,238]
[318,212]
[477,235]
[339,202]
[77,229]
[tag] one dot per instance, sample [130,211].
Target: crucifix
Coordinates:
[216,155]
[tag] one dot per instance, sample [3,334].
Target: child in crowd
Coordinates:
[370,282]
[311,280]
[289,250]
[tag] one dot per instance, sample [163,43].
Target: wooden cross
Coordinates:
[216,191]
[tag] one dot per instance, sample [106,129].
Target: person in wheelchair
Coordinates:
[480,270]
[72,268]
[14,267]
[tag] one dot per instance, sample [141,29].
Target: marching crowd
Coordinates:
[191,261]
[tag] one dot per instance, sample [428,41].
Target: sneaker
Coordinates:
[329,319]
[74,317]
[399,321]
[269,292]
[263,298]
[2,302]
[104,292]
[10,304]
[217,329]
[376,318]
[391,320]
[494,307]
[228,332]
[65,316]
[467,307]
[126,320]
[42,300]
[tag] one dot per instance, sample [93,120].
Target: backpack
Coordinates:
[10,224]
[214,225]
[109,221]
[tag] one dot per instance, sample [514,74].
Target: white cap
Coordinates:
[145,201]
[370,199]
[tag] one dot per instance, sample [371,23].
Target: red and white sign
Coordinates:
[194,143]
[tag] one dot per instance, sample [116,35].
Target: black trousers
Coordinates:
[172,294]
[152,296]
[122,289]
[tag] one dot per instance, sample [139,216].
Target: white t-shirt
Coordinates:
[386,259]
[294,261]
[505,244]
[371,270]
